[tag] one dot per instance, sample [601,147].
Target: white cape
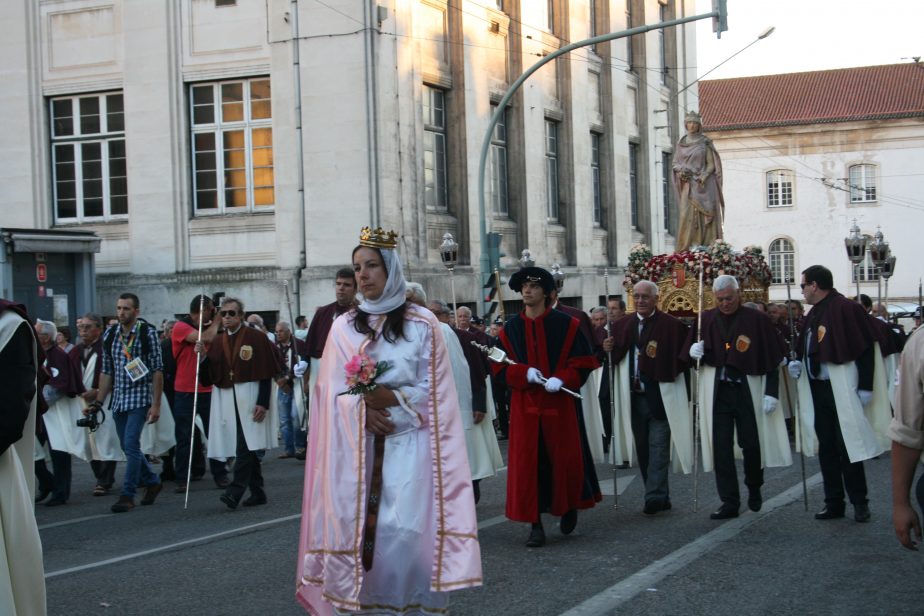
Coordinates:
[22,577]
[223,428]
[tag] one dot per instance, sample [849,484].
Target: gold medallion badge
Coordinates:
[246,352]
[742,344]
[651,350]
[821,333]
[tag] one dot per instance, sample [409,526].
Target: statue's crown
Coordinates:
[379,238]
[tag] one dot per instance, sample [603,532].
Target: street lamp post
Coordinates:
[558,276]
[887,270]
[856,251]
[879,254]
[449,253]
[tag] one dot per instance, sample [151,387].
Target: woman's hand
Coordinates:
[380,398]
[377,421]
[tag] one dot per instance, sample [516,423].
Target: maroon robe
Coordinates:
[18,373]
[319,329]
[661,342]
[248,354]
[746,341]
[586,326]
[69,380]
[842,331]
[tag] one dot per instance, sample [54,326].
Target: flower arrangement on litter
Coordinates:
[717,259]
[361,373]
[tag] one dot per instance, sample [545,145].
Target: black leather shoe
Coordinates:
[536,537]
[652,507]
[830,513]
[255,499]
[228,500]
[568,522]
[861,512]
[222,482]
[724,513]
[42,495]
[755,500]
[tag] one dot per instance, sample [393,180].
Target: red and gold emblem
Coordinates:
[742,344]
[651,350]
[821,333]
[246,352]
[679,275]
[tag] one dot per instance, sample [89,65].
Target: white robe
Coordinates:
[484,454]
[158,437]
[61,426]
[22,583]
[771,429]
[864,429]
[104,443]
[677,409]
[593,417]
[223,428]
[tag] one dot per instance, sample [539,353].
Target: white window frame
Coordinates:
[781,256]
[863,184]
[868,272]
[218,127]
[436,169]
[596,141]
[552,134]
[780,188]
[500,169]
[77,139]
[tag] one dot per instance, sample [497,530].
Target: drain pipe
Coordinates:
[371,14]
[299,161]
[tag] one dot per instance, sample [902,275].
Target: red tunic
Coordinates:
[550,467]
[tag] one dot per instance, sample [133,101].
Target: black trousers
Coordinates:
[733,410]
[104,471]
[248,472]
[837,471]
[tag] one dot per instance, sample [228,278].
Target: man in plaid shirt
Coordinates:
[133,371]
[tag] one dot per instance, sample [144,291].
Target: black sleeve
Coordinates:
[772,388]
[479,400]
[17,386]
[866,364]
[263,397]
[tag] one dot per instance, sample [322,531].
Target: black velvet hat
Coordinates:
[533,274]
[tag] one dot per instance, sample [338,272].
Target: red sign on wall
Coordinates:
[41,272]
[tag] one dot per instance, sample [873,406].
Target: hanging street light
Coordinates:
[856,251]
[879,254]
[449,253]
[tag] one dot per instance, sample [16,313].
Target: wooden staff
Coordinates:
[611,381]
[192,431]
[794,400]
[500,299]
[500,357]
[695,398]
[304,421]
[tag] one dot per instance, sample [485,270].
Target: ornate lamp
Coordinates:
[856,250]
[449,253]
[526,259]
[888,268]
[879,254]
[558,276]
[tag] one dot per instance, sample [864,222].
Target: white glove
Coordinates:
[795,368]
[300,368]
[697,350]
[553,384]
[769,404]
[534,376]
[866,396]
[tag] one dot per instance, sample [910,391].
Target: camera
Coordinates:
[95,416]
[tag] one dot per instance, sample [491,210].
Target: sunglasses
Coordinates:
[802,285]
[228,313]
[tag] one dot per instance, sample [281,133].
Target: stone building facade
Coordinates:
[231,145]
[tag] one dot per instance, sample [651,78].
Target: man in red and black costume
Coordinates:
[741,352]
[551,469]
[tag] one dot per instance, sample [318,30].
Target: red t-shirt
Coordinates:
[185,354]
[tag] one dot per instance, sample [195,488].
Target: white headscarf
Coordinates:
[395,287]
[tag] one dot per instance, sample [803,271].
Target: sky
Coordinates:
[810,35]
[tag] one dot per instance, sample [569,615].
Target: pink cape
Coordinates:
[329,571]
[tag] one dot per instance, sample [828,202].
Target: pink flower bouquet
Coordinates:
[361,373]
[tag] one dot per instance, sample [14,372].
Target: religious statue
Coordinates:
[698,187]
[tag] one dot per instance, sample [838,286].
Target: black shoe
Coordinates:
[830,513]
[861,512]
[666,505]
[228,500]
[536,536]
[222,482]
[42,495]
[151,493]
[300,453]
[755,500]
[55,502]
[724,513]
[654,506]
[568,522]
[476,488]
[255,499]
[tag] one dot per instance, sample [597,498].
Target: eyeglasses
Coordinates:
[228,313]
[802,285]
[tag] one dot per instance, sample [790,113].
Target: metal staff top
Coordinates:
[500,357]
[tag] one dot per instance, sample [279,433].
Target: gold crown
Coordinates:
[380,238]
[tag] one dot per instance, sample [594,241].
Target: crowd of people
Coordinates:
[397,403]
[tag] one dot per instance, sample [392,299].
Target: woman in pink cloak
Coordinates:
[388,518]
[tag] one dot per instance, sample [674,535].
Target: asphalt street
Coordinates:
[167,560]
